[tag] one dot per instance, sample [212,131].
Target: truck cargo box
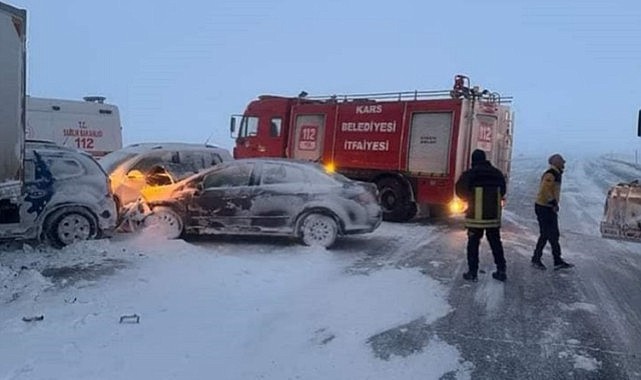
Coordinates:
[12,91]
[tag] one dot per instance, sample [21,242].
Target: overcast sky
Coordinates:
[178,72]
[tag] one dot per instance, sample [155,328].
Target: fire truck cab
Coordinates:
[413,145]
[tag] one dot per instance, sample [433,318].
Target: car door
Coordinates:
[280,197]
[224,200]
[17,198]
[39,185]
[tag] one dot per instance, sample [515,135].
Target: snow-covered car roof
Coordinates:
[145,147]
[297,162]
[113,159]
[50,145]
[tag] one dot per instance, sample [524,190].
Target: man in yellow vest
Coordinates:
[483,188]
[547,208]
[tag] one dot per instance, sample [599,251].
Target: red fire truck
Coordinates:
[413,145]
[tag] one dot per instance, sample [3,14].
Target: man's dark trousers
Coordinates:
[549,231]
[473,241]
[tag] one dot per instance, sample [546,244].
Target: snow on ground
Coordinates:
[581,361]
[273,310]
[585,362]
[224,311]
[580,306]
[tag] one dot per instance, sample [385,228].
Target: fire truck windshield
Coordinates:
[248,126]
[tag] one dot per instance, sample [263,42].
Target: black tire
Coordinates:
[318,230]
[68,225]
[395,200]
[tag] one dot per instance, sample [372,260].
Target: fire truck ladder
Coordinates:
[461,89]
[484,95]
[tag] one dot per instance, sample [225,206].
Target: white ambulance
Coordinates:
[91,125]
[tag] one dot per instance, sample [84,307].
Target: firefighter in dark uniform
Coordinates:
[546,208]
[483,188]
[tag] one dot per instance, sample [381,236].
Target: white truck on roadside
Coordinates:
[12,96]
[90,125]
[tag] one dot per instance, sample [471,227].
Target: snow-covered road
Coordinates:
[583,323]
[388,305]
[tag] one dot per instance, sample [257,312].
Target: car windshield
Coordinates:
[112,160]
[180,171]
[339,177]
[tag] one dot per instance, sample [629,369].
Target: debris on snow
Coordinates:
[133,318]
[591,308]
[586,363]
[36,318]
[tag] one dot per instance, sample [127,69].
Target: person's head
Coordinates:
[557,161]
[478,156]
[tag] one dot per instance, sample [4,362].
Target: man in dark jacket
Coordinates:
[483,188]
[546,208]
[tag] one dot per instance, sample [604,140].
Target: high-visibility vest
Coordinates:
[484,209]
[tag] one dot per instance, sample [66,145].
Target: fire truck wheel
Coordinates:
[395,200]
[318,230]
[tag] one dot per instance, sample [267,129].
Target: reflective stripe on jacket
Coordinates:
[482,187]
[484,210]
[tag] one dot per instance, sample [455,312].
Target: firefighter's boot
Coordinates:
[499,275]
[470,276]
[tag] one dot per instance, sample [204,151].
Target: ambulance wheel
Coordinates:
[395,200]
[68,225]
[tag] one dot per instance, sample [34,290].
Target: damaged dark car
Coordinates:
[268,196]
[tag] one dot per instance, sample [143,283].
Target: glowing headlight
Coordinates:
[330,167]
[457,206]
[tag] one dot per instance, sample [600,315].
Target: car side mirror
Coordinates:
[232,125]
[639,124]
[136,175]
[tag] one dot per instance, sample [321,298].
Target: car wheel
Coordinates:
[319,230]
[395,200]
[165,221]
[70,225]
